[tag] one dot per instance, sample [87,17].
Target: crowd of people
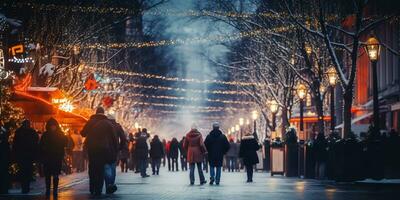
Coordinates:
[102,145]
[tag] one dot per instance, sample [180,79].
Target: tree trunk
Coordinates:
[285,120]
[347,103]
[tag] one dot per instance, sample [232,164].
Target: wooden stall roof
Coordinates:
[40,110]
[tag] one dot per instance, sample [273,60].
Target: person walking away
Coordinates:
[156,153]
[239,161]
[217,145]
[321,156]
[116,146]
[123,158]
[25,149]
[77,152]
[4,157]
[142,152]
[231,155]
[164,142]
[167,149]
[248,152]
[174,154]
[51,149]
[100,140]
[196,150]
[183,155]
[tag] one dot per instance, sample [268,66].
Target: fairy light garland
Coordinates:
[154,76]
[130,11]
[227,92]
[191,99]
[200,108]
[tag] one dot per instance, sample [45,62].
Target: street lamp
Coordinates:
[254,116]
[273,106]
[372,48]
[332,77]
[301,93]
[237,128]
[241,122]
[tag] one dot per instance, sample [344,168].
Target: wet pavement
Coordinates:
[175,185]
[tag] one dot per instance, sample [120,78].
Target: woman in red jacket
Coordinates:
[195,153]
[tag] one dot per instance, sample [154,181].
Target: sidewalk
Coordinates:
[38,187]
[392,182]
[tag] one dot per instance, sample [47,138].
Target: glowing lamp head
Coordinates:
[273,106]
[332,77]
[372,47]
[136,125]
[254,115]
[308,49]
[233,129]
[301,91]
[237,127]
[241,121]
[247,121]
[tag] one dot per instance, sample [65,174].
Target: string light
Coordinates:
[191,99]
[205,108]
[227,92]
[130,11]
[154,76]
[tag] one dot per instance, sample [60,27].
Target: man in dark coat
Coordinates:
[100,141]
[217,145]
[51,148]
[142,151]
[248,151]
[183,153]
[156,153]
[111,168]
[25,148]
[174,153]
[4,157]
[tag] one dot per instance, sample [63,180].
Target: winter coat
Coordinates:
[248,150]
[156,149]
[26,143]
[233,149]
[52,148]
[101,140]
[217,145]
[194,146]
[182,150]
[141,147]
[174,149]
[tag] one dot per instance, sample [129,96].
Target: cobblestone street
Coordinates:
[175,185]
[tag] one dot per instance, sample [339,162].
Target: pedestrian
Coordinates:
[52,151]
[142,151]
[321,156]
[248,152]
[183,155]
[217,145]
[4,157]
[174,153]
[77,152]
[100,140]
[164,142]
[123,158]
[167,148]
[25,149]
[156,153]
[196,150]
[116,147]
[231,155]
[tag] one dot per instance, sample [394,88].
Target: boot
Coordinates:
[55,187]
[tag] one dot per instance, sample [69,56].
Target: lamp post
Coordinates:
[254,116]
[332,77]
[241,122]
[372,48]
[237,128]
[273,106]
[301,93]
